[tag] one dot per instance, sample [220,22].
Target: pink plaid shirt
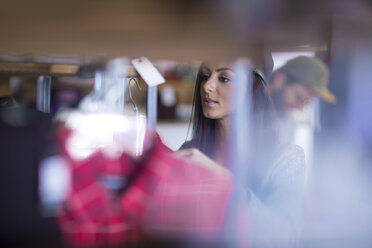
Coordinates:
[162,195]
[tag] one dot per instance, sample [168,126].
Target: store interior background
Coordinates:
[175,97]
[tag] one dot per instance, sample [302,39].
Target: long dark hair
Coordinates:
[204,130]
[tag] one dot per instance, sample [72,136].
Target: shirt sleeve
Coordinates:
[275,213]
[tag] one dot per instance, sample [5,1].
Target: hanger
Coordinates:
[130,93]
[140,119]
[102,124]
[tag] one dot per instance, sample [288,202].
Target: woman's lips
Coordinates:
[209,102]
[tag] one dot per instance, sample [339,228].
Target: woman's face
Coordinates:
[215,90]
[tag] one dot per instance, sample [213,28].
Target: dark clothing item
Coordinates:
[24,141]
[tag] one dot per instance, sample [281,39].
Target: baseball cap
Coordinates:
[311,71]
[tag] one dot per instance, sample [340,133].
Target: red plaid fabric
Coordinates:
[163,195]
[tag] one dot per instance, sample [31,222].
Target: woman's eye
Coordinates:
[205,77]
[224,79]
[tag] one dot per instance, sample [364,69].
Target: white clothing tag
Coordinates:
[148,71]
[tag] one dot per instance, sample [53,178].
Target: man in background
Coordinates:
[294,86]
[298,82]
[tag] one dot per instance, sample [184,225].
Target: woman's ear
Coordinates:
[278,81]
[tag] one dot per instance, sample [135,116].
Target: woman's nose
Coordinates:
[209,86]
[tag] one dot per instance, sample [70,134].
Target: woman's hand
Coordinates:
[195,156]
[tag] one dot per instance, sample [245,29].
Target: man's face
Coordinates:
[296,96]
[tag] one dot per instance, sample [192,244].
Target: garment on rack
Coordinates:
[158,194]
[24,142]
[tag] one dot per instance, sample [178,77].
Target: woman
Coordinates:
[276,175]
[212,110]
